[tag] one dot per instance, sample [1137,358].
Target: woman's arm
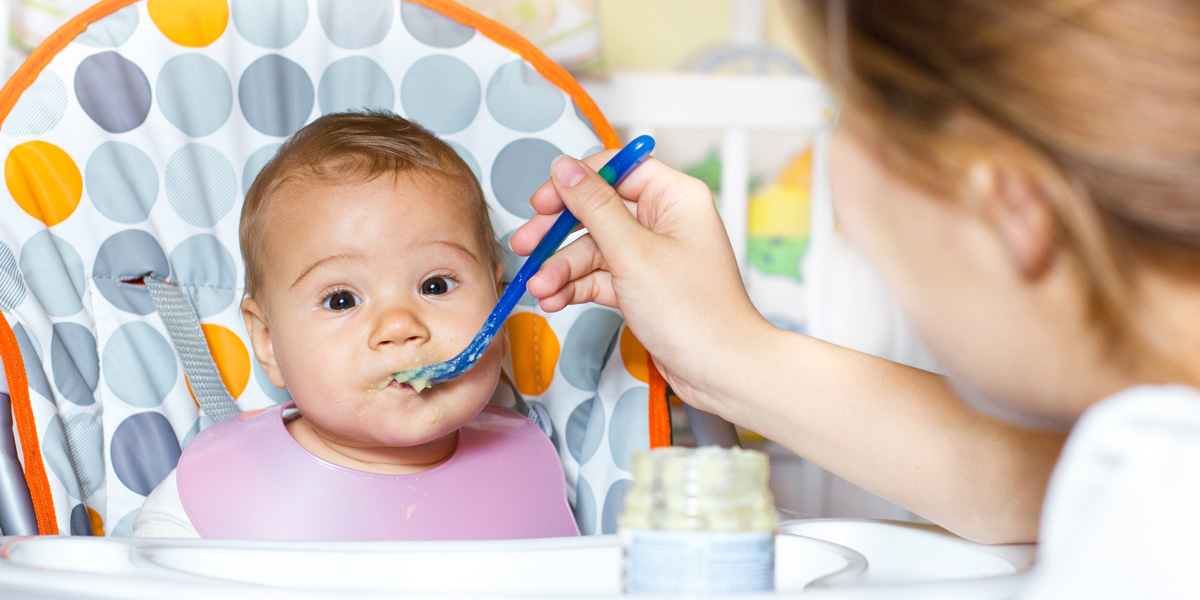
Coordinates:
[897,431]
[663,258]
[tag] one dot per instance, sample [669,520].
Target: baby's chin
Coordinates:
[428,423]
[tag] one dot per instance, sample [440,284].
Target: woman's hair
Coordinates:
[354,147]
[1097,101]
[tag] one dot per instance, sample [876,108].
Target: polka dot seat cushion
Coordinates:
[130,138]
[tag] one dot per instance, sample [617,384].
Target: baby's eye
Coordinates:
[341,301]
[435,286]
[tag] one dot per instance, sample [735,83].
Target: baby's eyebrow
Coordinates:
[330,258]
[457,246]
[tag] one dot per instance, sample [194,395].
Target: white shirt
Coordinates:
[1122,514]
[162,513]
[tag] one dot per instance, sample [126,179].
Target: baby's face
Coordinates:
[365,279]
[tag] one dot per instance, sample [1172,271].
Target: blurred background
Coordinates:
[722,86]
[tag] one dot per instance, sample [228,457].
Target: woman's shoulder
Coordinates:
[1123,509]
[1140,433]
[1167,413]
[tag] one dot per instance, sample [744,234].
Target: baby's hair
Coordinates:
[359,146]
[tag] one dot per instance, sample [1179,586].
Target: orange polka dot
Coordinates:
[191,23]
[44,181]
[233,361]
[97,522]
[534,352]
[633,354]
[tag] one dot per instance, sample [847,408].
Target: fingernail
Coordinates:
[567,171]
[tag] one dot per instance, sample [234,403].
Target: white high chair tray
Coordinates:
[826,558]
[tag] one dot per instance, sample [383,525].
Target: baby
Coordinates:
[368,250]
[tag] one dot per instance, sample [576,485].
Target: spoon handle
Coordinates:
[613,172]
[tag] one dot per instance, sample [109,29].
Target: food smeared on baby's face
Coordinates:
[352,296]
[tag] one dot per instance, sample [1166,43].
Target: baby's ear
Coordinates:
[260,339]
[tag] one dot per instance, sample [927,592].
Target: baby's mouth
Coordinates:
[400,386]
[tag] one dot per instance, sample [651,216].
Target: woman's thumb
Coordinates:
[597,205]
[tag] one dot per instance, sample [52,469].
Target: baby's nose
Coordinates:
[399,325]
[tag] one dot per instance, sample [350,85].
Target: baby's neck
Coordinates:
[386,460]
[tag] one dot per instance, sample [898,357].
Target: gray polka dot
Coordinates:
[124,527]
[31,355]
[194,94]
[520,168]
[276,95]
[468,158]
[269,23]
[122,182]
[54,273]
[207,271]
[512,264]
[355,83]
[442,93]
[614,501]
[201,184]
[593,150]
[585,429]
[87,446]
[57,457]
[110,31]
[255,164]
[588,344]
[12,285]
[128,255]
[139,365]
[81,523]
[433,28]
[630,426]
[113,91]
[586,121]
[277,395]
[355,24]
[144,450]
[39,108]
[520,98]
[585,507]
[75,363]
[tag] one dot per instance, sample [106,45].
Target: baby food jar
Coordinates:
[698,522]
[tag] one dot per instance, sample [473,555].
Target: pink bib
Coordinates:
[246,477]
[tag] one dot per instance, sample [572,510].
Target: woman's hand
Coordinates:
[662,258]
[658,251]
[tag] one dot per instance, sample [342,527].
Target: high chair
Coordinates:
[130,138]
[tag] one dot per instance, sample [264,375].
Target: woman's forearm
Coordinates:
[896,431]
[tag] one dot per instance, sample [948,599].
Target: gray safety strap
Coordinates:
[183,325]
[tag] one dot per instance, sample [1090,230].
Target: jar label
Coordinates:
[698,562]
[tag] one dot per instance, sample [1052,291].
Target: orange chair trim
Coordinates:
[29,71]
[35,470]
[549,69]
[32,67]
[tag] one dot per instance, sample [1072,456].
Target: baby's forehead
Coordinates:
[283,203]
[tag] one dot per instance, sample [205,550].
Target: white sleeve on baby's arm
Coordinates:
[162,513]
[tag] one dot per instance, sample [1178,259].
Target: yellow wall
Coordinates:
[665,34]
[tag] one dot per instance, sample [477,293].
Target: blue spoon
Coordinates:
[613,172]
